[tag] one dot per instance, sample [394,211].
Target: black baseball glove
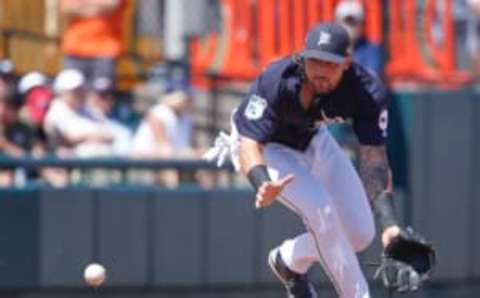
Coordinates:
[407,262]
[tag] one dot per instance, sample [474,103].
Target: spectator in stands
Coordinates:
[34,88]
[351,14]
[100,104]
[7,79]
[166,132]
[37,95]
[92,41]
[69,127]
[16,137]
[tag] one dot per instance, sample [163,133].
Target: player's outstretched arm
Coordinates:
[253,166]
[408,259]
[251,154]
[374,171]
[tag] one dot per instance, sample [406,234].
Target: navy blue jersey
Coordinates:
[272,111]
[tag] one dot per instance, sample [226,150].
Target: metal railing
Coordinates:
[111,163]
[27,170]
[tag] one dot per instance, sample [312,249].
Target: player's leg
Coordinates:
[336,172]
[326,241]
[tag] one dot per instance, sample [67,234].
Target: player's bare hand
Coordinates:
[268,192]
[389,234]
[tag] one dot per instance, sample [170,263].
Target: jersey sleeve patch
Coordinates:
[383,122]
[256,107]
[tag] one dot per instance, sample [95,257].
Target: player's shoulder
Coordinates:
[281,68]
[368,84]
[280,77]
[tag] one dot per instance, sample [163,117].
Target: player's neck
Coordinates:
[306,95]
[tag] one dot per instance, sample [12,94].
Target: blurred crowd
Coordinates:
[75,113]
[71,117]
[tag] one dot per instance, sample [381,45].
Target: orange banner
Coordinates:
[255,33]
[418,56]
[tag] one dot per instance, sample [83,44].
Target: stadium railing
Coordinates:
[119,165]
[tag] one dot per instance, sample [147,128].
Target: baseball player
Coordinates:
[280,141]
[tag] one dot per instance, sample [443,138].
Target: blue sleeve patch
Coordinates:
[256,107]
[256,117]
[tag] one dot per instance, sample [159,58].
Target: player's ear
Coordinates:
[347,62]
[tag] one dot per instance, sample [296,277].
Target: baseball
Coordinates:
[94,275]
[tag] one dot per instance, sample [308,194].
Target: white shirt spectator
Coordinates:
[178,132]
[62,120]
[122,136]
[99,105]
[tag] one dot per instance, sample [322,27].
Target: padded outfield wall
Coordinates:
[194,243]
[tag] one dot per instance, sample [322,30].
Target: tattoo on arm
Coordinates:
[373,170]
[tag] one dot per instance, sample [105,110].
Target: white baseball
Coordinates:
[94,275]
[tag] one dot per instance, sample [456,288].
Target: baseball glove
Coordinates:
[407,262]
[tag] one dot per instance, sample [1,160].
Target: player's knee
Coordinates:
[321,219]
[363,236]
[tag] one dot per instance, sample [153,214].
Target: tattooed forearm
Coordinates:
[373,170]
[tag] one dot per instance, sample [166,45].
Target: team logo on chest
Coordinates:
[256,107]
